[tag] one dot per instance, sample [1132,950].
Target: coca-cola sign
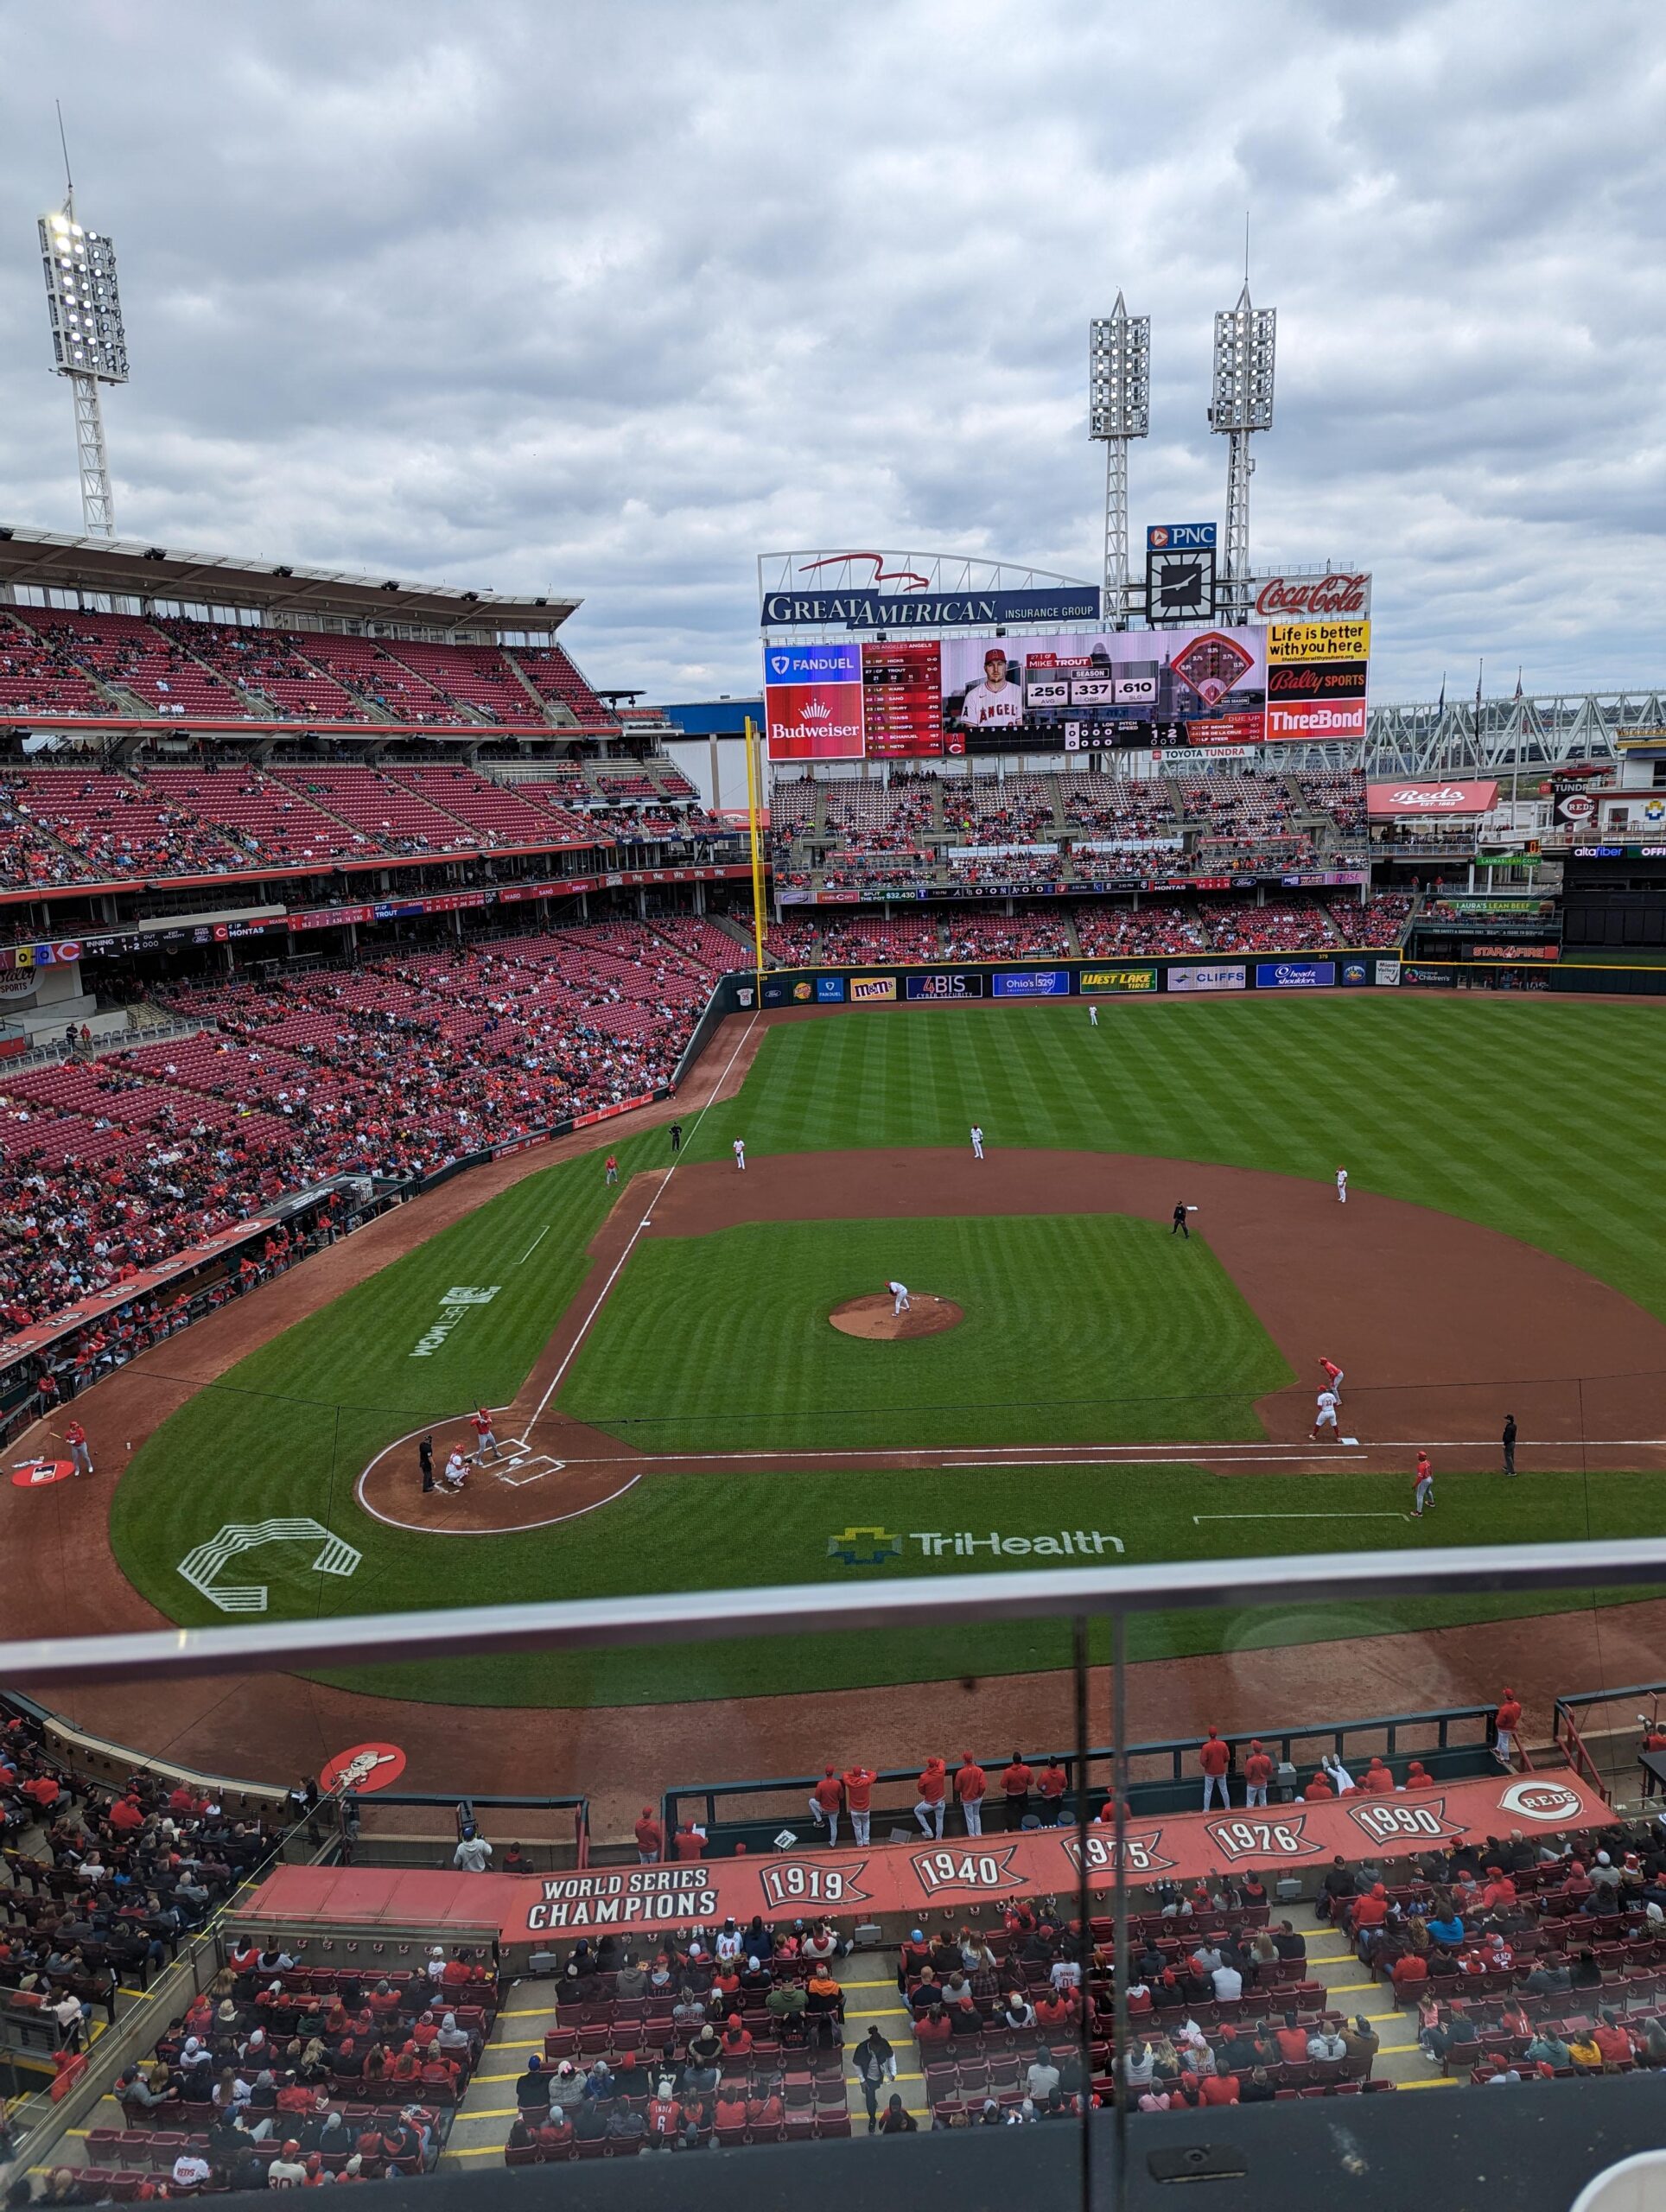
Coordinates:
[1310,598]
[1384,801]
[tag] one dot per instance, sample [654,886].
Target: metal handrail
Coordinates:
[599,1624]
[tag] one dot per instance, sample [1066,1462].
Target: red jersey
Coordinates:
[1424,1468]
[483,1422]
[1377,1780]
[934,1783]
[687,1845]
[859,1788]
[970,1782]
[1017,1779]
[828,1792]
[75,1433]
[1258,1769]
[650,1836]
[1213,1756]
[1054,1782]
[1332,1370]
[1509,1714]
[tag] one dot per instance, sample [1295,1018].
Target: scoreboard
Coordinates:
[902,700]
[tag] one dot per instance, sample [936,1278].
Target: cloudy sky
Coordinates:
[610,298]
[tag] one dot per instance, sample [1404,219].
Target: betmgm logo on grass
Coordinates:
[455,1306]
[878,1546]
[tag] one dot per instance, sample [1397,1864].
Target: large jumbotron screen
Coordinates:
[919,698]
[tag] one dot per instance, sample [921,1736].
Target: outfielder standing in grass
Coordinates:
[1424,1494]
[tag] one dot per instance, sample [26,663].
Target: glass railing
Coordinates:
[1141,1848]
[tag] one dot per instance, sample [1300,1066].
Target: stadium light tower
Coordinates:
[1119,407]
[88,342]
[1241,404]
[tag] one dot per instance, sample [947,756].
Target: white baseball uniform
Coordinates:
[456,1470]
[977,1141]
[1093,1017]
[1342,1184]
[1325,1417]
[899,1292]
[741,1154]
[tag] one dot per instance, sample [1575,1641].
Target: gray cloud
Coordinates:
[608,300]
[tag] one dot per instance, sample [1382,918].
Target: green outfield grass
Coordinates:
[1539,1120]
[1151,1342]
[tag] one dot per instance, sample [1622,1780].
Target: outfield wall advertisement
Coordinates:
[921,698]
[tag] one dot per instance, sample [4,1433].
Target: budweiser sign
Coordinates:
[1310,598]
[1383,801]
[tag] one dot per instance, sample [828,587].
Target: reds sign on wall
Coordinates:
[1385,801]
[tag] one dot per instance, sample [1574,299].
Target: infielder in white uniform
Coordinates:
[977,1141]
[1325,1416]
[740,1149]
[1342,1186]
[900,1293]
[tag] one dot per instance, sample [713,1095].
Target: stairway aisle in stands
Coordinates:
[488,2106]
[1350,1990]
[869,1982]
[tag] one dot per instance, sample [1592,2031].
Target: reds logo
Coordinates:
[1542,1801]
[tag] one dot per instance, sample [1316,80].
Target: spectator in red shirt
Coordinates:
[1015,1783]
[1500,1891]
[650,1839]
[1505,1721]
[1257,1774]
[1292,2042]
[1410,1972]
[825,1799]
[1214,1759]
[970,1782]
[933,1788]
[1219,2089]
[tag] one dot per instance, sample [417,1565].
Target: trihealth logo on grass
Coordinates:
[877,1547]
[454,1306]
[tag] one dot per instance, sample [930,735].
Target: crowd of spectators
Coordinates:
[723,2036]
[390,1069]
[1293,924]
[1160,927]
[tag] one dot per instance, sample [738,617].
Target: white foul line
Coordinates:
[584,1328]
[533,1246]
[1197,1519]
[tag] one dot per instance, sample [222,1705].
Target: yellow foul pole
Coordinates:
[753,781]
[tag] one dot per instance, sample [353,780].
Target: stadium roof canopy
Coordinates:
[126,570]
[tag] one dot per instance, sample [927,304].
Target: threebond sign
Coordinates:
[1117,979]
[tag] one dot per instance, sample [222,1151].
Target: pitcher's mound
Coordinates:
[874,1317]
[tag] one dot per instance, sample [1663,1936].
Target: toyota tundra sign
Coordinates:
[1390,802]
[1312,599]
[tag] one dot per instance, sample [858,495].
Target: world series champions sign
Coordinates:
[903,1879]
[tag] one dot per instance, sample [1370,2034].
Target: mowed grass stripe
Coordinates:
[1481,1107]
